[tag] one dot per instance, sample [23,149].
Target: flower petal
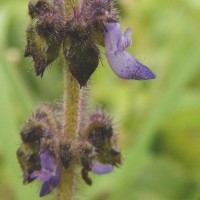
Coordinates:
[125,41]
[49,185]
[99,168]
[49,174]
[48,162]
[112,35]
[126,66]
[121,62]
[42,175]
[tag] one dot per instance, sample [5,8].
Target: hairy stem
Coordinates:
[71,112]
[71,105]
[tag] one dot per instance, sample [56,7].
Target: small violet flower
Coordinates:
[49,174]
[100,168]
[121,62]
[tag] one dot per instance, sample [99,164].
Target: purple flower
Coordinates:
[121,62]
[49,174]
[100,168]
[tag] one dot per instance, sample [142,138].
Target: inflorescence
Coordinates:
[92,22]
[43,153]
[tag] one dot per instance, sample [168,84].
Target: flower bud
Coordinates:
[100,133]
[39,134]
[80,52]
[29,162]
[42,124]
[45,32]
[65,154]
[97,13]
[49,16]
[87,154]
[43,51]
[86,178]
[98,150]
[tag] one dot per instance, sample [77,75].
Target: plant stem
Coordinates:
[71,113]
[66,189]
[71,104]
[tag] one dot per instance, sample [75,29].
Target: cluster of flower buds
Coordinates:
[45,32]
[89,23]
[36,154]
[43,152]
[99,152]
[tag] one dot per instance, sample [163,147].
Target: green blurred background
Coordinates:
[158,121]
